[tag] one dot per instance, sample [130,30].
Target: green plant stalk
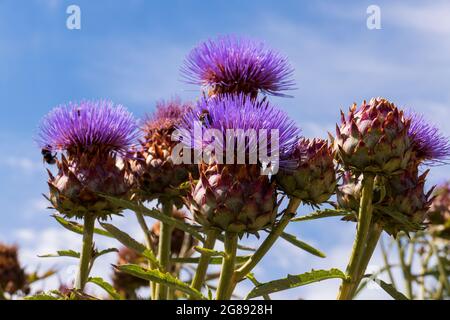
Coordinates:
[202,267]
[276,232]
[371,244]
[165,239]
[350,285]
[405,269]
[384,253]
[424,266]
[224,289]
[86,252]
[443,279]
[148,244]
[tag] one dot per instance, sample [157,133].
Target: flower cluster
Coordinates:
[239,164]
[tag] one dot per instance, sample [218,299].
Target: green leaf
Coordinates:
[322,214]
[35,276]
[105,286]
[78,228]
[164,278]
[255,282]
[103,252]
[302,245]
[389,289]
[156,214]
[293,281]
[209,252]
[213,260]
[129,242]
[62,253]
[42,296]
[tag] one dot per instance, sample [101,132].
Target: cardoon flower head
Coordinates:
[429,144]
[92,128]
[92,134]
[313,179]
[374,139]
[232,194]
[230,64]
[239,115]
[157,173]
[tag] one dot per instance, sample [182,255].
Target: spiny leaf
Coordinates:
[209,252]
[293,281]
[164,278]
[105,286]
[129,242]
[105,251]
[156,214]
[321,214]
[251,277]
[389,289]
[35,276]
[61,253]
[302,245]
[401,218]
[78,228]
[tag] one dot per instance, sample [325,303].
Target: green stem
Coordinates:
[443,279]
[86,252]
[405,269]
[165,239]
[364,221]
[371,244]
[276,232]
[424,265]
[386,262]
[148,244]
[224,290]
[202,267]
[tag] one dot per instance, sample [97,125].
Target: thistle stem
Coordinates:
[372,241]
[224,290]
[349,285]
[384,253]
[86,252]
[405,269]
[276,232]
[202,267]
[165,239]
[148,244]
[443,279]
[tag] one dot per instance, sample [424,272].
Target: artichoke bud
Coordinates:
[75,190]
[374,138]
[234,198]
[313,180]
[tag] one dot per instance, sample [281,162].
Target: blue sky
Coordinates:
[131,51]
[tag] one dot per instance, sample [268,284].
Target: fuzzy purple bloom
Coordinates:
[238,115]
[428,142]
[168,114]
[89,126]
[230,64]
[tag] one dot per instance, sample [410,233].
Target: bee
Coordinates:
[48,156]
[205,117]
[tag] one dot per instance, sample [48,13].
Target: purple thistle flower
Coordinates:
[429,144]
[230,64]
[239,112]
[88,127]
